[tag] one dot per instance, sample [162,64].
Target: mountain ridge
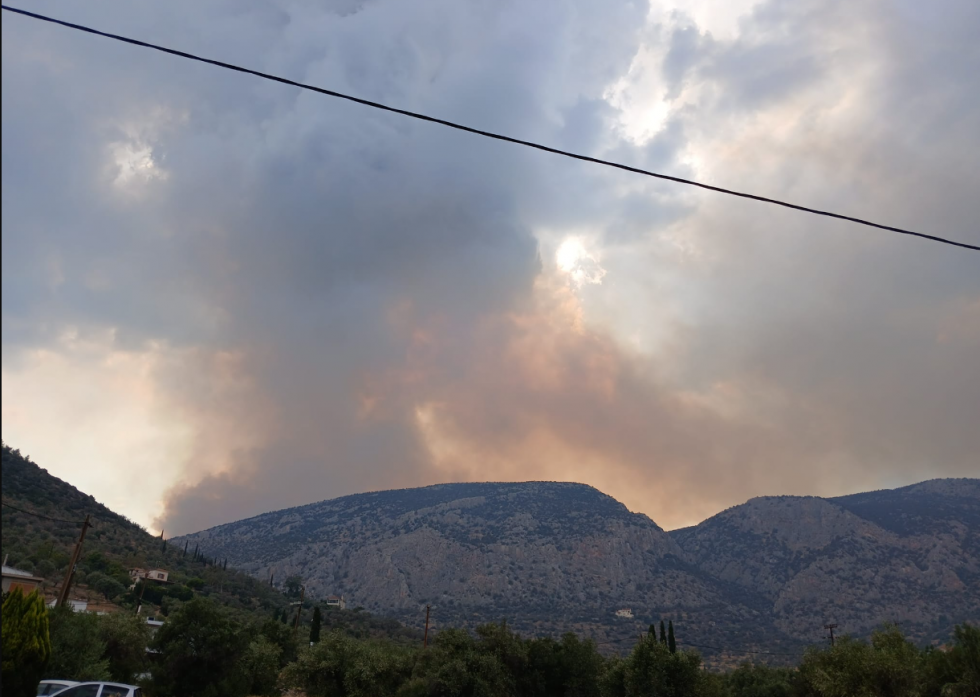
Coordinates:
[552,556]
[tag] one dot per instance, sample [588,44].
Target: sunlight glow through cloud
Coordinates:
[581,265]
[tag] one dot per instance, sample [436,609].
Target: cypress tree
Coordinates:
[652,632]
[663,633]
[164,546]
[671,644]
[315,626]
[185,547]
[195,553]
[26,643]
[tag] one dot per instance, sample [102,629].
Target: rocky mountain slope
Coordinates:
[545,556]
[549,557]
[909,555]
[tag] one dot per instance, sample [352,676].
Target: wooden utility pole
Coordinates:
[139,603]
[425,637]
[66,584]
[831,627]
[299,610]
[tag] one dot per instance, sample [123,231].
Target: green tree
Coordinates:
[260,664]
[671,643]
[890,666]
[613,681]
[77,648]
[292,585]
[126,637]
[761,681]
[26,643]
[341,666]
[201,651]
[106,585]
[315,626]
[955,671]
[652,670]
[570,667]
[283,637]
[663,633]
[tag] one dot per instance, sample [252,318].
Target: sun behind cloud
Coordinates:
[579,263]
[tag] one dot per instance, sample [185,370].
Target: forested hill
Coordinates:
[35,539]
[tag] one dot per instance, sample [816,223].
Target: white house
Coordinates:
[336,601]
[150,574]
[626,612]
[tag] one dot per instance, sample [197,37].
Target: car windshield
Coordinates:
[49,688]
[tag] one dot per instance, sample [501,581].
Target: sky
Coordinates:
[223,296]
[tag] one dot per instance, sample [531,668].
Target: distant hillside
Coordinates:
[115,544]
[548,557]
[909,555]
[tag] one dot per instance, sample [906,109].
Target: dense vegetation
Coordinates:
[37,541]
[206,649]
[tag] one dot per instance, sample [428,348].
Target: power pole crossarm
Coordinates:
[66,584]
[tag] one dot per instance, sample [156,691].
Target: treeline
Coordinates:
[206,650]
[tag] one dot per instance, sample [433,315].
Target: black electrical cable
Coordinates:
[486,134]
[39,515]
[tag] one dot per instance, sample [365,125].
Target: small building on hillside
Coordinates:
[336,601]
[18,578]
[626,612]
[76,605]
[150,574]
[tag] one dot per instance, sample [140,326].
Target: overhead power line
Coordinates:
[39,515]
[476,131]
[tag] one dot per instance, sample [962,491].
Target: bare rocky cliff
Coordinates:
[906,555]
[551,556]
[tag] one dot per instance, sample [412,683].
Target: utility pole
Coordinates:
[139,603]
[299,610]
[425,637]
[831,627]
[63,596]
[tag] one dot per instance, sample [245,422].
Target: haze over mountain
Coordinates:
[550,556]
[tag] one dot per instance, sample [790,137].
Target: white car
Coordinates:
[100,689]
[49,687]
